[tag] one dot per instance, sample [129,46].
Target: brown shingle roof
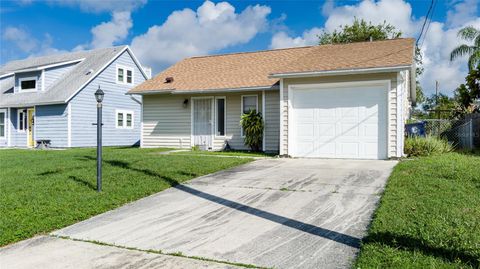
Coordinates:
[252,69]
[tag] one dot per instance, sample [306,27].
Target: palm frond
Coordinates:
[468,33]
[461,51]
[474,60]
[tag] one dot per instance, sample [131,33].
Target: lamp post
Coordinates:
[99,96]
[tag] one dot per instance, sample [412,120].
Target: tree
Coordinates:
[252,124]
[468,93]
[441,106]
[361,31]
[469,34]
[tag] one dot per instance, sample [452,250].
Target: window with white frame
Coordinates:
[124,75]
[22,120]
[249,103]
[124,119]
[3,122]
[221,116]
[28,84]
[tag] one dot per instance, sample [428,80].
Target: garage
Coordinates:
[338,120]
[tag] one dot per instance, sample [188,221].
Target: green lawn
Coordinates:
[46,190]
[429,216]
[236,153]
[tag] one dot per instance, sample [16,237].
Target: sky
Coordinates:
[162,32]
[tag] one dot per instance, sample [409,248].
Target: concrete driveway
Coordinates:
[282,213]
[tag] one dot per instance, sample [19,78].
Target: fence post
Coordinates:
[470,125]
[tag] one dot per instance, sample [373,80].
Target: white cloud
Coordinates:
[187,32]
[283,40]
[108,33]
[462,12]
[94,6]
[20,38]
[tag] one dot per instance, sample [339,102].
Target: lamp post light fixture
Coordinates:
[99,96]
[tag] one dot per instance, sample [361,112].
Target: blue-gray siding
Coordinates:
[83,108]
[53,74]
[51,123]
[18,138]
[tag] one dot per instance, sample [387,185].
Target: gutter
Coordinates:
[340,72]
[173,91]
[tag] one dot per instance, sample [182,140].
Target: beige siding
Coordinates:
[272,120]
[392,106]
[166,123]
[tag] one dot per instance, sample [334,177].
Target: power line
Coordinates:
[428,24]
[425,22]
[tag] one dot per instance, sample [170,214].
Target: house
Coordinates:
[329,101]
[51,99]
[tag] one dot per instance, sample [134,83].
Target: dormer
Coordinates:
[28,81]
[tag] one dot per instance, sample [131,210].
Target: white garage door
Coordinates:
[338,122]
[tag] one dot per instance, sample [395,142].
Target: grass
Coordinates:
[46,190]
[429,216]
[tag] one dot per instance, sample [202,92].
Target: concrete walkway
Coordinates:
[282,213]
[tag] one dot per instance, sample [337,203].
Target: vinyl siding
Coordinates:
[53,74]
[166,123]
[392,105]
[51,124]
[84,108]
[17,139]
[272,120]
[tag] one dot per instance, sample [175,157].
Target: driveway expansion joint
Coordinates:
[159,252]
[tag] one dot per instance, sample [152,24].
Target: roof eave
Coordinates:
[241,89]
[341,72]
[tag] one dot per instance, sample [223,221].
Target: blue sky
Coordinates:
[163,32]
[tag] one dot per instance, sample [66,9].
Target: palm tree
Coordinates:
[470,34]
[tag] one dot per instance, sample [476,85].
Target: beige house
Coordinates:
[330,101]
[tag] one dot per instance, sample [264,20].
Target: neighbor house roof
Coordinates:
[262,69]
[90,63]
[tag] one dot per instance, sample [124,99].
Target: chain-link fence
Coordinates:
[463,133]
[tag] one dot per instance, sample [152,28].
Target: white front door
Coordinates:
[339,122]
[203,123]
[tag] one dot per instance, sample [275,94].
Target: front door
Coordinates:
[31,129]
[202,123]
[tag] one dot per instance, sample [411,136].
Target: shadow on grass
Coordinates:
[345,239]
[413,244]
[83,182]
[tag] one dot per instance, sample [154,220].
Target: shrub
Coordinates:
[252,124]
[426,146]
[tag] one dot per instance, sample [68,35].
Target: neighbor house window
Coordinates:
[124,119]
[2,124]
[220,116]
[249,103]
[22,120]
[124,75]
[28,84]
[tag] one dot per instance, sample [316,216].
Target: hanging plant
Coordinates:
[252,124]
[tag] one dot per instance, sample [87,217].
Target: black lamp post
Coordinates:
[99,96]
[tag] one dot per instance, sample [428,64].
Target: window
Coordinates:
[120,75]
[249,103]
[220,116]
[2,124]
[124,119]
[22,120]
[124,75]
[28,84]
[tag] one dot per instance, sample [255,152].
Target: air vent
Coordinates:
[88,72]
[168,79]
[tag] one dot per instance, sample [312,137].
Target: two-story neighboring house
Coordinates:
[51,99]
